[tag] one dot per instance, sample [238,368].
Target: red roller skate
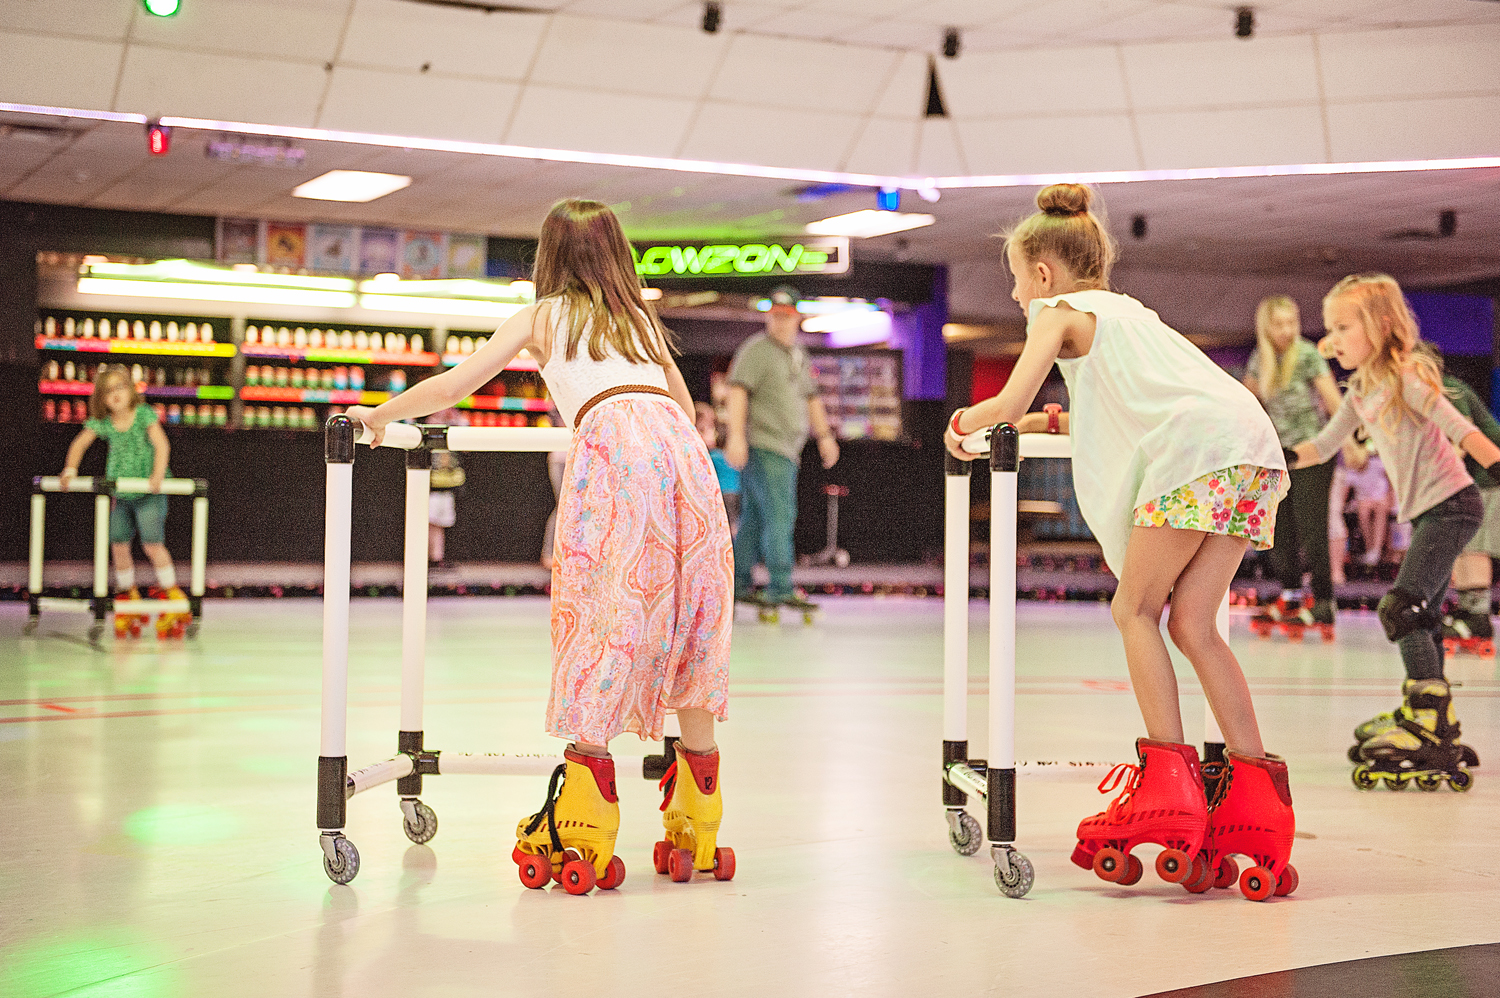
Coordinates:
[1162,802]
[129,624]
[1251,815]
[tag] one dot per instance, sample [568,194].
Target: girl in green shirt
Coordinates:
[137,449]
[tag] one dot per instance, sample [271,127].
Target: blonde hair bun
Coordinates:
[1064,199]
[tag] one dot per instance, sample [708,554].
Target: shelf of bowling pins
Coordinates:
[524,362]
[505,403]
[134,346]
[209,393]
[317,396]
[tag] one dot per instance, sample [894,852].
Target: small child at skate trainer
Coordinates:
[1176,468]
[137,449]
[1396,395]
[642,580]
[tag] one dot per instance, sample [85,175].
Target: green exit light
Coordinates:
[162,8]
[820,256]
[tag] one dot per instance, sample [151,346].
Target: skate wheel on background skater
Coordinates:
[1287,882]
[723,863]
[577,876]
[1173,865]
[1228,873]
[1460,781]
[1134,870]
[680,865]
[1294,634]
[614,874]
[1327,633]
[535,871]
[1257,883]
[1110,864]
[660,853]
[1363,778]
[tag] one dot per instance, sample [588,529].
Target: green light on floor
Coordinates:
[93,966]
[163,8]
[179,825]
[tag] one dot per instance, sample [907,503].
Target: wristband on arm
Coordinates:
[1054,417]
[953,422]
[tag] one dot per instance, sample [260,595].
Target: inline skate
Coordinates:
[1250,815]
[1162,802]
[1421,746]
[1386,720]
[572,838]
[691,812]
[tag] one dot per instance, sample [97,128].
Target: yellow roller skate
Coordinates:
[691,814]
[171,624]
[572,838]
[129,624]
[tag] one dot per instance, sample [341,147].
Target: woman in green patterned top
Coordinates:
[1290,379]
[137,449]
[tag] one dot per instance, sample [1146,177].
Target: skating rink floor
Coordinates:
[159,833]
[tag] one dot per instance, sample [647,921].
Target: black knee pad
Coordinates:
[1402,613]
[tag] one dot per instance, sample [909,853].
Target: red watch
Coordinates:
[1054,421]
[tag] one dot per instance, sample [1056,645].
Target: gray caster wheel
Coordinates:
[191,631]
[1015,882]
[344,865]
[32,623]
[96,631]
[424,827]
[966,837]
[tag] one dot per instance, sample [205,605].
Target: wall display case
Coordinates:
[861,390]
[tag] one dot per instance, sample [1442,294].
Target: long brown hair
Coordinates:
[1067,230]
[1393,332]
[102,378]
[584,266]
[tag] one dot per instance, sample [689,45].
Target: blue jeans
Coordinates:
[1438,537]
[768,497]
[146,512]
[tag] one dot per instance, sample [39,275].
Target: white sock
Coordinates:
[166,577]
[125,579]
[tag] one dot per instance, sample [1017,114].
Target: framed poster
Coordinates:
[286,245]
[423,255]
[378,251]
[237,240]
[331,248]
[466,256]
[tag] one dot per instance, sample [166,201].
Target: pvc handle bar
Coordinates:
[405,436]
[132,486]
[1032,444]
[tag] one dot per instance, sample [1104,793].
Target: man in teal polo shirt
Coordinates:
[773,402]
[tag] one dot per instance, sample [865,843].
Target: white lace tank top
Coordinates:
[574,382]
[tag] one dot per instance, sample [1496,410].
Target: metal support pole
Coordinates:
[101,551]
[34,566]
[199,573]
[414,600]
[333,759]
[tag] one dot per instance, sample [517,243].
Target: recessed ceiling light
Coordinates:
[350,185]
[867,223]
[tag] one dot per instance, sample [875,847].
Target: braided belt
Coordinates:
[617,390]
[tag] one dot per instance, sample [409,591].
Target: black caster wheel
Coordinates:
[344,865]
[29,628]
[1015,882]
[967,836]
[424,827]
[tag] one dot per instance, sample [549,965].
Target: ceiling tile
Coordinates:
[394,34]
[1026,83]
[417,104]
[68,18]
[558,118]
[218,87]
[58,72]
[798,74]
[1078,143]
[1413,63]
[736,133]
[1415,129]
[302,31]
[885,147]
[628,58]
[1221,73]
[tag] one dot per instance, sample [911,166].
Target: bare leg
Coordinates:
[434,543]
[157,553]
[697,729]
[1472,571]
[1154,558]
[1192,624]
[120,554]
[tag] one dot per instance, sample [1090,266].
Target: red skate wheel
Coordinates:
[1200,878]
[1450,646]
[517,856]
[1173,866]
[659,854]
[1228,873]
[535,871]
[680,865]
[1110,864]
[723,863]
[614,874]
[577,876]
[1287,882]
[1134,870]
[1257,883]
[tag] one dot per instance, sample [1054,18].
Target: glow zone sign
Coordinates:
[813,256]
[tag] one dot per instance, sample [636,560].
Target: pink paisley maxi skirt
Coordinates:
[642,577]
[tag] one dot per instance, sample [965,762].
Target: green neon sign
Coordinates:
[815,256]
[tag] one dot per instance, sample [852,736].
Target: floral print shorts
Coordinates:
[1239,501]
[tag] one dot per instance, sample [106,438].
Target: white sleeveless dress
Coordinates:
[1150,412]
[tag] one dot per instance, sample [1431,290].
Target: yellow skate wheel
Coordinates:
[1287,882]
[614,874]
[577,876]
[536,871]
[723,863]
[680,865]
